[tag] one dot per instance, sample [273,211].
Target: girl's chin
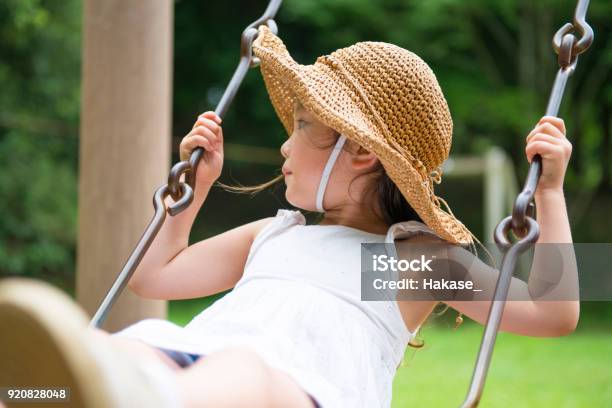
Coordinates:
[291,199]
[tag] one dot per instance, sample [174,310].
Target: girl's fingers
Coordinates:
[542,144]
[220,135]
[555,121]
[201,141]
[192,140]
[545,137]
[206,132]
[542,148]
[211,115]
[192,143]
[545,128]
[209,123]
[564,144]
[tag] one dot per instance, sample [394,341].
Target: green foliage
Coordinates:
[39,236]
[39,108]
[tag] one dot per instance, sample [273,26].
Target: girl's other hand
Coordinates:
[206,133]
[548,140]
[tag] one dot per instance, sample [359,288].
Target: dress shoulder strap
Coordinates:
[284,219]
[406,229]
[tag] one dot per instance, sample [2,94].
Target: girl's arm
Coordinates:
[171,269]
[171,239]
[554,262]
[454,263]
[545,314]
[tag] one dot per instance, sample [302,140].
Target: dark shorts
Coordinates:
[186,359]
[181,358]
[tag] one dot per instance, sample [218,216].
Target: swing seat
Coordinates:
[46,344]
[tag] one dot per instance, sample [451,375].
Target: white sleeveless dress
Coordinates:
[298,306]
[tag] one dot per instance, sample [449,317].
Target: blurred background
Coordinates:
[495,64]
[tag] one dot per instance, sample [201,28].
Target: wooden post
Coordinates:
[125,127]
[495,191]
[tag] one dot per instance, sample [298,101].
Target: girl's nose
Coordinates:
[285,149]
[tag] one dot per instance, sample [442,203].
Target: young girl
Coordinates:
[368,131]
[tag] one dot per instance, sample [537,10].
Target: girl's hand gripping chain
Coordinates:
[548,140]
[206,133]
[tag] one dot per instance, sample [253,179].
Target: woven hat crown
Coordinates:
[404,93]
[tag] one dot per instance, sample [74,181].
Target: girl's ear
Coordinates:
[363,159]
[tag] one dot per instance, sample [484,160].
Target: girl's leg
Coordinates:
[137,348]
[238,377]
[234,377]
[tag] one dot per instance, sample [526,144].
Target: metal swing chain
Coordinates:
[521,222]
[182,192]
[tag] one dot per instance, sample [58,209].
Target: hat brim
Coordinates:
[322,91]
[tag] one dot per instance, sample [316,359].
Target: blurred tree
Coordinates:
[39,107]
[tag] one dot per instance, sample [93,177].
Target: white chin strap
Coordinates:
[327,172]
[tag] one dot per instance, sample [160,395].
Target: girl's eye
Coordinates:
[300,122]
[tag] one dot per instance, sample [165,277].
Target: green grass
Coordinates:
[182,311]
[569,371]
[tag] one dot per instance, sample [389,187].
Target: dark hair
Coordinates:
[394,206]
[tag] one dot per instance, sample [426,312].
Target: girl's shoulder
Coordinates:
[411,237]
[415,235]
[411,230]
[283,216]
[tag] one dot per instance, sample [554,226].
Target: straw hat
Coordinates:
[384,98]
